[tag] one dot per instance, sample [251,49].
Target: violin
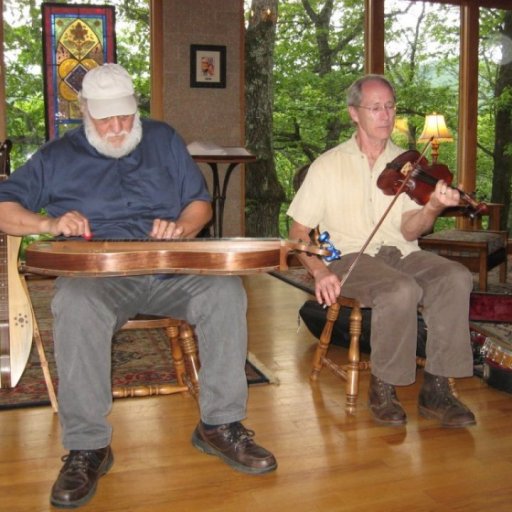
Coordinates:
[411,173]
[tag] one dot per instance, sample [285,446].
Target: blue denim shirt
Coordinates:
[120,197]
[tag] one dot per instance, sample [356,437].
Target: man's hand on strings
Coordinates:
[166,230]
[72,223]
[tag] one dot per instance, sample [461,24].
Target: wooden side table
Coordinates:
[479,251]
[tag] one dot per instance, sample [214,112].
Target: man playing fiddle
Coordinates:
[121,177]
[393,276]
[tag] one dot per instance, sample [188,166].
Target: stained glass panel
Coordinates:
[76,38]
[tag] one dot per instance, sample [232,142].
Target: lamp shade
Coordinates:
[435,126]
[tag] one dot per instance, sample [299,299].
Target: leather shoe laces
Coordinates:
[237,433]
[384,404]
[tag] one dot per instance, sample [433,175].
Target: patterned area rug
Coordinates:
[138,358]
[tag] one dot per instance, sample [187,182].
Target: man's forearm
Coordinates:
[418,222]
[194,217]
[18,221]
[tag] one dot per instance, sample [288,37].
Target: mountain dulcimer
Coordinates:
[222,256]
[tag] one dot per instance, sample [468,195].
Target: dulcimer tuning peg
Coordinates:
[325,240]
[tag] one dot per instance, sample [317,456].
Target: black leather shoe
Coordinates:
[233,443]
[436,400]
[78,478]
[384,404]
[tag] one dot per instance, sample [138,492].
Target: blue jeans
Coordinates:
[88,311]
[394,287]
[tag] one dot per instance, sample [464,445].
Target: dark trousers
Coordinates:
[88,311]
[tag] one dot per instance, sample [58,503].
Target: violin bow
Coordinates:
[384,215]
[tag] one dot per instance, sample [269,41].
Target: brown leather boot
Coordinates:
[436,400]
[384,404]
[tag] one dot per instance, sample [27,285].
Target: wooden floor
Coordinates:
[327,461]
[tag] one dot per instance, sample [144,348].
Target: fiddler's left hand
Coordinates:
[444,195]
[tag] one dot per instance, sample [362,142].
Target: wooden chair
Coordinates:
[182,344]
[349,371]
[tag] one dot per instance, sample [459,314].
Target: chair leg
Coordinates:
[503,271]
[325,339]
[189,347]
[453,387]
[482,282]
[173,333]
[354,363]
[172,330]
[348,372]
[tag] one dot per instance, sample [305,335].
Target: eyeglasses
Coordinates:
[377,109]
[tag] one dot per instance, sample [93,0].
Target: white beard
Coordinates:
[102,144]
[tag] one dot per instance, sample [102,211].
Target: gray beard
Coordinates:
[104,147]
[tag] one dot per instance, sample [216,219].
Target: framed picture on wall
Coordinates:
[207,66]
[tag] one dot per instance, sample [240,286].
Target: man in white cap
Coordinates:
[120,177]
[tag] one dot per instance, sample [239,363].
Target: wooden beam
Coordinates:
[374,36]
[156,59]
[468,97]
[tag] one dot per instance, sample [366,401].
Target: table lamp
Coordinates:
[435,130]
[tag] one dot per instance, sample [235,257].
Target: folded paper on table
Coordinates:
[210,148]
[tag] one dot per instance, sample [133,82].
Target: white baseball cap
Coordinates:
[109,91]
